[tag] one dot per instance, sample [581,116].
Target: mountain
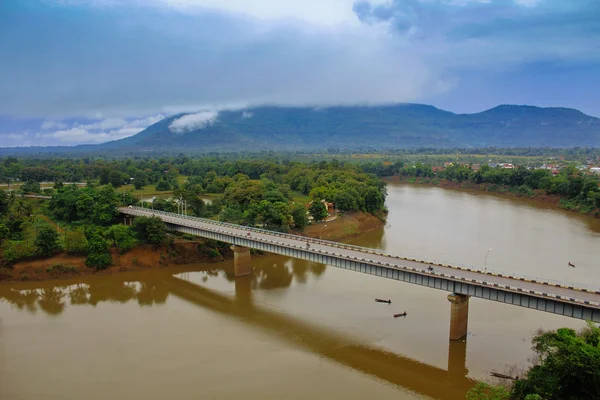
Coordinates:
[357,128]
[381,127]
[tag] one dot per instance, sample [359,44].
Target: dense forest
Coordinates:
[273,195]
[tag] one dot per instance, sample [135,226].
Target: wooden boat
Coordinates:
[404,314]
[383,301]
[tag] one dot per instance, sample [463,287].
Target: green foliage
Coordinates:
[483,391]
[4,203]
[76,242]
[47,242]
[299,217]
[88,205]
[122,237]
[31,187]
[4,232]
[569,366]
[318,210]
[15,251]
[61,269]
[149,230]
[163,185]
[98,254]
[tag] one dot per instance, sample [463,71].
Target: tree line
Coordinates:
[578,189]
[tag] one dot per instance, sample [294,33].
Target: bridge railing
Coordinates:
[485,271]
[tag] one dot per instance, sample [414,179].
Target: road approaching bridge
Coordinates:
[561,299]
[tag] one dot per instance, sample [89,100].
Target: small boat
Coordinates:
[571,264]
[383,301]
[503,376]
[404,314]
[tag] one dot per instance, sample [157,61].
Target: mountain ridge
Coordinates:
[394,126]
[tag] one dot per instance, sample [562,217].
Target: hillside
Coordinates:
[391,127]
[355,128]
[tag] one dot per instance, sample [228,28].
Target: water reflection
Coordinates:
[156,287]
[269,272]
[344,349]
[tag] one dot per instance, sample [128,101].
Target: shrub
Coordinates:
[75,242]
[98,255]
[15,251]
[47,242]
[61,269]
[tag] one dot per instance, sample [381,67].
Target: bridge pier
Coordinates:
[459,315]
[241,260]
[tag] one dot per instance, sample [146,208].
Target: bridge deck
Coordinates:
[564,293]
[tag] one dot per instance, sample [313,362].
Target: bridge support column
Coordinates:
[241,261]
[459,315]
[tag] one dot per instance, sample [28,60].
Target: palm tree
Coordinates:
[21,209]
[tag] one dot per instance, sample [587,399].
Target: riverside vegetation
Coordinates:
[566,367]
[262,193]
[577,190]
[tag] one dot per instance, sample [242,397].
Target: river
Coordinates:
[296,329]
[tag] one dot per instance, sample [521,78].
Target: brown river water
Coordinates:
[296,329]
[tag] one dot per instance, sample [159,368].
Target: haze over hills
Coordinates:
[357,128]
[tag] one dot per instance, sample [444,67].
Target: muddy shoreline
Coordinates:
[180,252]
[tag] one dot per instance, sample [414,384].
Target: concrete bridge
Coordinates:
[462,283]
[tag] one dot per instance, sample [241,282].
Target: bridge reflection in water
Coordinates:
[155,288]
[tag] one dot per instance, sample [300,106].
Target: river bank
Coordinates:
[180,252]
[63,265]
[538,197]
[344,227]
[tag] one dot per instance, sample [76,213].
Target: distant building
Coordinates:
[507,166]
[330,207]
[595,170]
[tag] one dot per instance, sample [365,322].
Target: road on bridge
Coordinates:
[575,295]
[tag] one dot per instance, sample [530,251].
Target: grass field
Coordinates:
[300,197]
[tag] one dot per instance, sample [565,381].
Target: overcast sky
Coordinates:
[89,71]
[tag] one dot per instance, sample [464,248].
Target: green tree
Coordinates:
[149,230]
[116,178]
[318,210]
[3,202]
[163,185]
[122,237]
[374,200]
[4,232]
[300,218]
[98,254]
[569,366]
[140,179]
[47,242]
[31,187]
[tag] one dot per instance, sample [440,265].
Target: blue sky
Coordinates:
[89,71]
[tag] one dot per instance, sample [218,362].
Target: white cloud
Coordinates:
[53,125]
[98,131]
[323,12]
[192,122]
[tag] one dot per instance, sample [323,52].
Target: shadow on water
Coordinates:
[155,287]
